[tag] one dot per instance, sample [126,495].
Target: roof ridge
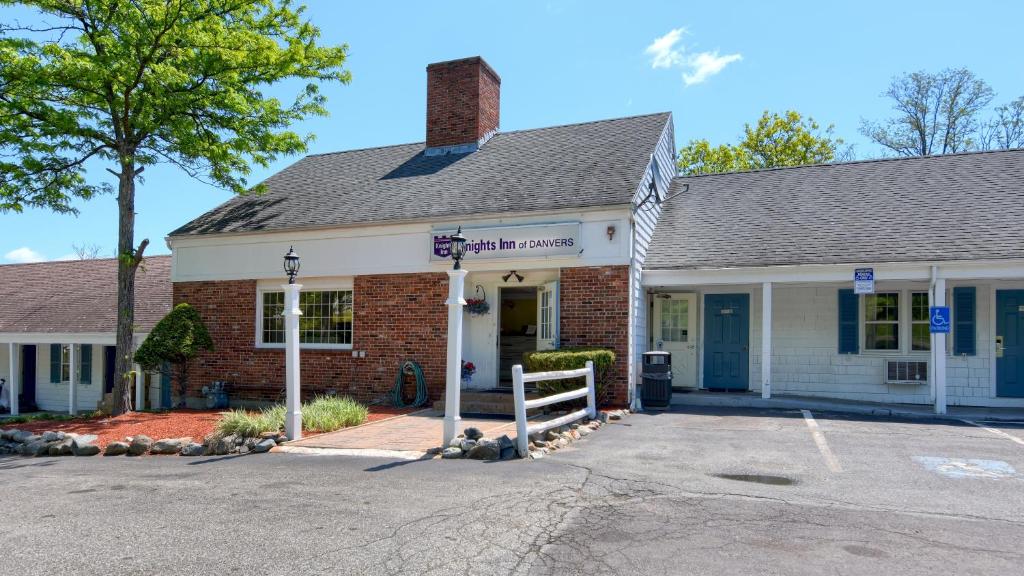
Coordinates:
[78,260]
[499,133]
[855,162]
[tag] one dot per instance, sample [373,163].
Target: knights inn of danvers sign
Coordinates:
[528,241]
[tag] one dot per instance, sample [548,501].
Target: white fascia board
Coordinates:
[919,271]
[99,338]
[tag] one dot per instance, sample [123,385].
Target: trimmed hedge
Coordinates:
[571,359]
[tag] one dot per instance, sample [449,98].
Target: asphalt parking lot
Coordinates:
[701,491]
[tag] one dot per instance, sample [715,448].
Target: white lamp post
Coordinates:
[293,403]
[455,302]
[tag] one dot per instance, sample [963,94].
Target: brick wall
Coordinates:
[594,308]
[463,101]
[395,317]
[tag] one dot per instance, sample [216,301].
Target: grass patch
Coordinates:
[323,414]
[47,417]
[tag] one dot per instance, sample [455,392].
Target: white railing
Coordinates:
[519,380]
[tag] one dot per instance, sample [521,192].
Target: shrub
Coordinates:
[571,359]
[323,414]
[177,338]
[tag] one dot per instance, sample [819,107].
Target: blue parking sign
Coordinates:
[938,319]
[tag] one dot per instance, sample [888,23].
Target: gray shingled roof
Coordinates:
[575,166]
[79,296]
[955,207]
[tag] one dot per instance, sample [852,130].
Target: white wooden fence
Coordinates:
[519,380]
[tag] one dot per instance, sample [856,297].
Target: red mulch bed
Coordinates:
[158,425]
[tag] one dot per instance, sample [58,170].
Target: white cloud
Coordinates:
[663,51]
[668,52]
[24,255]
[706,64]
[67,257]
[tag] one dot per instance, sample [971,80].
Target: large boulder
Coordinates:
[485,450]
[169,445]
[222,446]
[83,445]
[264,445]
[18,436]
[116,449]
[36,448]
[140,445]
[193,449]
[53,436]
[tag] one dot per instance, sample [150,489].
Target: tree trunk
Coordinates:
[128,260]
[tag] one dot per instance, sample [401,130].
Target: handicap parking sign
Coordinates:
[938,319]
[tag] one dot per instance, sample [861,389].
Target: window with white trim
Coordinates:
[896,321]
[882,321]
[65,363]
[326,318]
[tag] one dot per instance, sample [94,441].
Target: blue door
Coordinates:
[726,341]
[1010,328]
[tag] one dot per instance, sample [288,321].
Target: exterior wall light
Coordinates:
[458,248]
[291,265]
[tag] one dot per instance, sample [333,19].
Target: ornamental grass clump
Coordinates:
[329,413]
[251,424]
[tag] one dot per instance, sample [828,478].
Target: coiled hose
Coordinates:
[421,385]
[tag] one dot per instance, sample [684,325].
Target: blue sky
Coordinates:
[714,65]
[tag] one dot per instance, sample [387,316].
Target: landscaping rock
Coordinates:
[264,445]
[193,449]
[19,436]
[116,449]
[485,450]
[552,435]
[83,445]
[473,433]
[169,445]
[583,431]
[140,445]
[243,449]
[31,438]
[52,436]
[617,415]
[37,448]
[466,444]
[506,448]
[250,443]
[540,443]
[456,442]
[225,445]
[536,455]
[451,452]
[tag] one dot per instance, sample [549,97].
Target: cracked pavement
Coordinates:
[638,497]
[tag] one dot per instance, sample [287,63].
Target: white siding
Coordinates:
[54,397]
[644,221]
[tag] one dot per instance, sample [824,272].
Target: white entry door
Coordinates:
[547,316]
[675,331]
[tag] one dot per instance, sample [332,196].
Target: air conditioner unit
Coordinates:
[906,372]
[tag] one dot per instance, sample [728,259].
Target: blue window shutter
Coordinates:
[965,314]
[85,372]
[55,351]
[849,323]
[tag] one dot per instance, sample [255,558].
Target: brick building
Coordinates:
[557,220]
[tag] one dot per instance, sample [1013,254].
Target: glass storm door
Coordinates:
[675,322]
[547,316]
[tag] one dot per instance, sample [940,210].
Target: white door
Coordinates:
[547,316]
[675,331]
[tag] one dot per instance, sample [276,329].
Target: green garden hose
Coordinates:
[421,385]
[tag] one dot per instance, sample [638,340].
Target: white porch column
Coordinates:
[140,398]
[293,400]
[453,380]
[13,383]
[72,381]
[766,340]
[939,351]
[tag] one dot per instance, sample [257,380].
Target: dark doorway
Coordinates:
[517,329]
[27,398]
[109,359]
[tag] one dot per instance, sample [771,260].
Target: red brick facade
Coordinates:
[396,317]
[594,309]
[463,102]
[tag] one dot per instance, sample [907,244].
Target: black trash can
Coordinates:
[656,376]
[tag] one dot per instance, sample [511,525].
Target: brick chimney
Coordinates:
[463,98]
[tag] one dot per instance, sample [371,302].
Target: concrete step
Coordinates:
[498,403]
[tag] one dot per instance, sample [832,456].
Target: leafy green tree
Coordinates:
[177,338]
[129,84]
[776,140]
[1005,130]
[934,113]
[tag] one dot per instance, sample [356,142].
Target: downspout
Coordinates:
[932,390]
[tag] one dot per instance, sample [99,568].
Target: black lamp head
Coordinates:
[458,247]
[291,265]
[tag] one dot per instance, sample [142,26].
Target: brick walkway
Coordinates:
[417,432]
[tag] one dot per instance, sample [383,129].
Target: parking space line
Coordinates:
[1009,437]
[819,440]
